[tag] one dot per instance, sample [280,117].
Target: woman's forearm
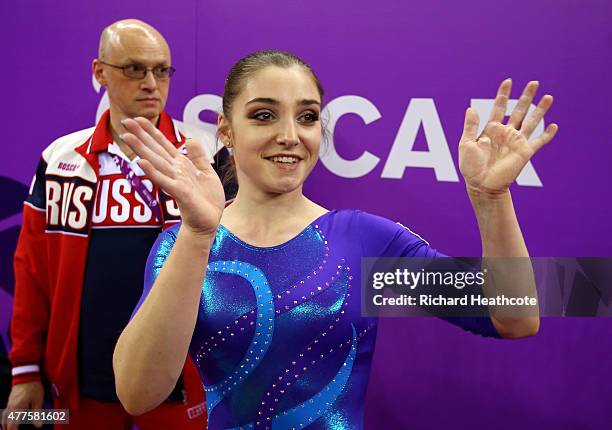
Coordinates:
[506,258]
[151,351]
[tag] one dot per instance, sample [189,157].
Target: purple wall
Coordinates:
[406,60]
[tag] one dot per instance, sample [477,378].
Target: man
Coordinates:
[88,224]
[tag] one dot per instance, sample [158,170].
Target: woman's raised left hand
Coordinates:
[491,162]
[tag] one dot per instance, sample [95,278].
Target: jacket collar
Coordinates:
[102,137]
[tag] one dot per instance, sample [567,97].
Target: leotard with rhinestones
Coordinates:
[279,340]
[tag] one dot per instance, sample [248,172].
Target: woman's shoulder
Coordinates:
[372,228]
[360,219]
[168,236]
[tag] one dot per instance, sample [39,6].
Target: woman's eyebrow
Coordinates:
[263,100]
[307,102]
[268,100]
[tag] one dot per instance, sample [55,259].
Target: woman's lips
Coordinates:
[285,166]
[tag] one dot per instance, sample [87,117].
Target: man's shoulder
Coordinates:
[67,143]
[63,160]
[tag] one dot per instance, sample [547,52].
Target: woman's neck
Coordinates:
[269,219]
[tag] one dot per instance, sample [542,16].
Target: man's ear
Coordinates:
[98,72]
[224,130]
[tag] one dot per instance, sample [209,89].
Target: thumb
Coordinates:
[197,155]
[470,127]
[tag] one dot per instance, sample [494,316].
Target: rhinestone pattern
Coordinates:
[285,300]
[265,328]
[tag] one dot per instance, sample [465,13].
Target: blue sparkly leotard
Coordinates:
[279,341]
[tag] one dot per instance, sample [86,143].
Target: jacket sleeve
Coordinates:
[31,300]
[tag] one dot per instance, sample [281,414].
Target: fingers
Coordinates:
[493,135]
[524,102]
[9,426]
[155,133]
[150,146]
[197,155]
[470,126]
[160,179]
[536,116]
[15,401]
[546,137]
[498,113]
[4,420]
[484,140]
[145,153]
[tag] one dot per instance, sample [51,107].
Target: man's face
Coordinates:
[130,97]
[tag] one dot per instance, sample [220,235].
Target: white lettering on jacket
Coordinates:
[118,204]
[67,204]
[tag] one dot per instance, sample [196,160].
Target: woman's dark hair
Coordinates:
[244,69]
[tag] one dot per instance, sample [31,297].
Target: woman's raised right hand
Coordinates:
[190,180]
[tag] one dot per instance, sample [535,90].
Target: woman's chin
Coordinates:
[285,186]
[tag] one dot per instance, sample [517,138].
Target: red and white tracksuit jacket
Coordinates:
[50,260]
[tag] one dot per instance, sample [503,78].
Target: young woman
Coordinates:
[264,294]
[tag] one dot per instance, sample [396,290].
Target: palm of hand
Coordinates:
[199,195]
[191,180]
[491,162]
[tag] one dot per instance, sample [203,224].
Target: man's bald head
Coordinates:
[126,45]
[122,33]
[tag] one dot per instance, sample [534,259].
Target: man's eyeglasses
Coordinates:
[139,71]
